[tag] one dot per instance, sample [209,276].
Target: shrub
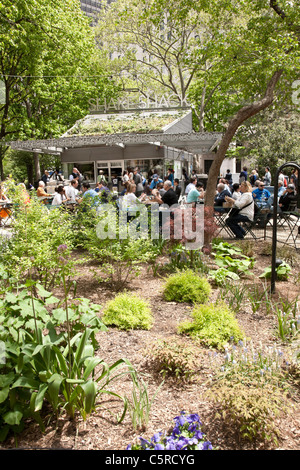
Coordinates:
[128,312]
[249,407]
[172,358]
[187,287]
[214,324]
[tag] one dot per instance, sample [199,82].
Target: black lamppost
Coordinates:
[275,207]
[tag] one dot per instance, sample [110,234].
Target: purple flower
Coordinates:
[62,248]
[144,443]
[159,447]
[207,446]
[156,437]
[128,447]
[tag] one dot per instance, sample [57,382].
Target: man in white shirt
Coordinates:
[191,185]
[72,191]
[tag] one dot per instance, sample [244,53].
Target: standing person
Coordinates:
[294,178]
[170,176]
[253,177]
[101,177]
[185,177]
[228,177]
[177,187]
[267,177]
[138,181]
[45,178]
[243,174]
[245,205]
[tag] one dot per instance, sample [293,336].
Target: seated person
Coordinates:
[161,189]
[222,192]
[72,190]
[102,191]
[60,196]
[40,192]
[130,200]
[245,204]
[236,194]
[287,197]
[155,180]
[260,194]
[281,190]
[170,198]
[195,194]
[191,185]
[89,193]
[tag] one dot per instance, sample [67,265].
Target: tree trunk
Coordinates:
[242,115]
[37,168]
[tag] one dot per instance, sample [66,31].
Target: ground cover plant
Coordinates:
[127,311]
[187,287]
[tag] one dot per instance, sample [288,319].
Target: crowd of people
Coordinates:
[242,197]
[250,193]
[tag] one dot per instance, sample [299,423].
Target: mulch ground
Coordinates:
[102,432]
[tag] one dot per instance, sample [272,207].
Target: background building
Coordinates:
[91,8]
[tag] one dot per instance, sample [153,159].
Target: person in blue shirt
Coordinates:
[260,194]
[195,194]
[170,176]
[244,174]
[89,193]
[155,180]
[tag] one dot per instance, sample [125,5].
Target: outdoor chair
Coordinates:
[288,221]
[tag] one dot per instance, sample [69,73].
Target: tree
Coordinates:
[270,139]
[243,52]
[47,54]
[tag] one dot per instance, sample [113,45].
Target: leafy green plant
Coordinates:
[213,324]
[186,287]
[139,404]
[288,318]
[37,233]
[171,358]
[282,272]
[234,294]
[128,311]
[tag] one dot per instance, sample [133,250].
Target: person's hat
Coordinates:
[291,186]
[154,177]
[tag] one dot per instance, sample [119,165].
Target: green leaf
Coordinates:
[13,418]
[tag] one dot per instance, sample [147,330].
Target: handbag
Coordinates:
[235,210]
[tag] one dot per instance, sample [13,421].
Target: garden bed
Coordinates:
[101,431]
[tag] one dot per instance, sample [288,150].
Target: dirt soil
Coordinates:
[101,431]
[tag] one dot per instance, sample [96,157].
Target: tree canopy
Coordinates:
[48,66]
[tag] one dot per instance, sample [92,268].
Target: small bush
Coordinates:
[128,312]
[174,359]
[214,324]
[250,409]
[187,287]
